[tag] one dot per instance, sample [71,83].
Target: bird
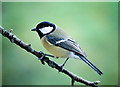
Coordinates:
[60,44]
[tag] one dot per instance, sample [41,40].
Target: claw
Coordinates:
[43,55]
[46,54]
[41,52]
[61,68]
[41,58]
[63,65]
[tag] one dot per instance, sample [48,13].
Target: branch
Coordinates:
[51,63]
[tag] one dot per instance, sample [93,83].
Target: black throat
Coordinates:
[40,34]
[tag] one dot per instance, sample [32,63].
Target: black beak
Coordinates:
[34,29]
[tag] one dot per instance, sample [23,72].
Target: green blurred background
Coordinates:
[94,25]
[0,45]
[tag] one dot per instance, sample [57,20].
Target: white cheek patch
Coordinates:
[46,30]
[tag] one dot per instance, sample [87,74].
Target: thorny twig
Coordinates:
[51,63]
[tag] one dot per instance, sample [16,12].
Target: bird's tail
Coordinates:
[90,64]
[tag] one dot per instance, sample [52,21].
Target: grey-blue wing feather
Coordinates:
[67,44]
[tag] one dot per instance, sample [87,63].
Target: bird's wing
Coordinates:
[68,44]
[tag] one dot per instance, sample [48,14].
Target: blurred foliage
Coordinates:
[93,25]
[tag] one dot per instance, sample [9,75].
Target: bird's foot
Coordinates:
[42,57]
[47,54]
[61,68]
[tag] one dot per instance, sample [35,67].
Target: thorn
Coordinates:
[10,34]
[3,31]
[96,82]
[29,45]
[12,41]
[14,36]
[73,81]
[32,50]
[11,30]
[21,42]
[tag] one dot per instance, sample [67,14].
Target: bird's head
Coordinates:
[44,28]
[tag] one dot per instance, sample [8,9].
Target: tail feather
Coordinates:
[90,64]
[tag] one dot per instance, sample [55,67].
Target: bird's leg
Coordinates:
[49,55]
[41,58]
[63,64]
[43,55]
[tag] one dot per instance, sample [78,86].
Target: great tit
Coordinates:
[60,44]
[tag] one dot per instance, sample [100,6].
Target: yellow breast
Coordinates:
[55,50]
